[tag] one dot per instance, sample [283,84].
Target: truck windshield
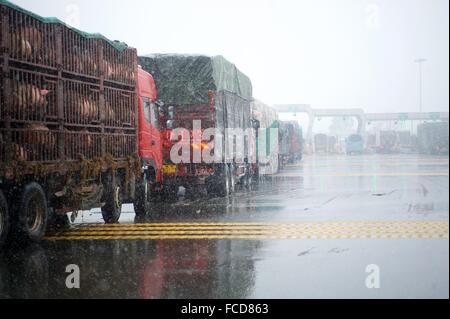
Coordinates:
[150,112]
[154,115]
[147,108]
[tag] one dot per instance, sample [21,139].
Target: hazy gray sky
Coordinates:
[328,53]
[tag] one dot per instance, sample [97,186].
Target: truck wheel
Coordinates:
[112,209]
[142,203]
[32,214]
[4,219]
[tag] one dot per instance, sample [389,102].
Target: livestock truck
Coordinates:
[78,125]
[433,138]
[267,146]
[203,93]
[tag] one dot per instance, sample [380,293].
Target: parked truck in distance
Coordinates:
[78,125]
[320,143]
[388,142]
[433,138]
[291,142]
[203,93]
[354,144]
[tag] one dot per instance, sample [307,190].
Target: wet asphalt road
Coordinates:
[309,232]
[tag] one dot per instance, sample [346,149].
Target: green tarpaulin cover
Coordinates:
[186,79]
[117,45]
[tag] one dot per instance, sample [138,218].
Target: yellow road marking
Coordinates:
[256,237]
[274,229]
[251,232]
[275,223]
[264,227]
[260,230]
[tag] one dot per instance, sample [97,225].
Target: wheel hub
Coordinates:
[34,215]
[117,200]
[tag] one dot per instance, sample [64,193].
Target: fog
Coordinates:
[327,53]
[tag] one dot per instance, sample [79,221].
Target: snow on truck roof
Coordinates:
[120,46]
[187,78]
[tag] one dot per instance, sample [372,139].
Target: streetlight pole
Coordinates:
[420,62]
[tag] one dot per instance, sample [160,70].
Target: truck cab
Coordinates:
[150,141]
[150,153]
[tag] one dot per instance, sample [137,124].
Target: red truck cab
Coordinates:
[150,141]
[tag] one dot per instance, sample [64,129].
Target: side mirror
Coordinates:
[171,112]
[170,124]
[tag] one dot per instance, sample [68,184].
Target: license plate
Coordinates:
[169,169]
[201,172]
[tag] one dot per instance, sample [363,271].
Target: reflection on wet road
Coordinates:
[308,232]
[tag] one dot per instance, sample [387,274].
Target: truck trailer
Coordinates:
[291,142]
[388,142]
[266,118]
[320,143]
[77,128]
[212,93]
[433,138]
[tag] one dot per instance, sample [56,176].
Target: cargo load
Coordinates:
[267,118]
[192,81]
[69,111]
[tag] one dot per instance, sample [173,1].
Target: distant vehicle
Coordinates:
[267,118]
[433,138]
[355,144]
[321,143]
[332,145]
[291,142]
[221,102]
[371,143]
[388,142]
[405,141]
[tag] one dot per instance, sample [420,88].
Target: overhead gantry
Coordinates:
[318,113]
[362,117]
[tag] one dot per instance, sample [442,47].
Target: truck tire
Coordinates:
[142,203]
[4,219]
[31,215]
[112,209]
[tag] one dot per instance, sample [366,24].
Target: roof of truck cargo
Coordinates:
[116,44]
[265,114]
[186,78]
